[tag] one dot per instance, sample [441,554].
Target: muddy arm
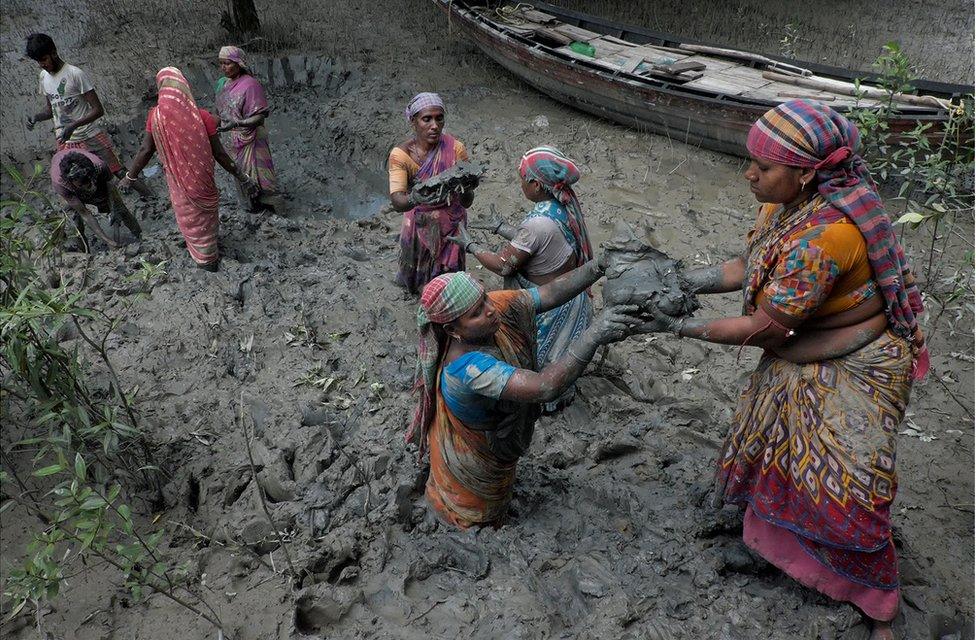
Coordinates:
[40,116]
[224,160]
[145,153]
[545,386]
[722,278]
[569,285]
[505,263]
[88,219]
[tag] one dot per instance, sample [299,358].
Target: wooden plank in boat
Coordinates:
[575,33]
[710,83]
[713,64]
[650,55]
[539,17]
[747,77]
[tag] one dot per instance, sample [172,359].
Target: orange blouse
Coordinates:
[402,167]
[823,269]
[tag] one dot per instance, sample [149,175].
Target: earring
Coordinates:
[803,185]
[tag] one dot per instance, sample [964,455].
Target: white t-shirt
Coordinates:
[65,89]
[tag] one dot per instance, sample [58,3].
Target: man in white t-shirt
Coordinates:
[74,106]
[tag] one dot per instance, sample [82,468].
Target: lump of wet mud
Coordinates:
[461,176]
[640,274]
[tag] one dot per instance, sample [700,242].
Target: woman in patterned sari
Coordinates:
[480,386]
[829,295]
[186,139]
[243,108]
[550,241]
[424,250]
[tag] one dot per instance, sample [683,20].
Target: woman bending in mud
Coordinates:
[81,178]
[830,297]
[479,389]
[552,240]
[186,139]
[242,108]
[424,250]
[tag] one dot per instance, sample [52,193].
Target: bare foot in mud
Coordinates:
[882,631]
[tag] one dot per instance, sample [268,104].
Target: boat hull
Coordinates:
[699,119]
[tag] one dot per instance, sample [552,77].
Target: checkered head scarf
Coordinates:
[445,299]
[423,101]
[811,135]
[557,174]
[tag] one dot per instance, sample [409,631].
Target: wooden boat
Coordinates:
[690,91]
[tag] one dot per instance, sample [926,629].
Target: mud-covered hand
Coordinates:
[491,223]
[66,133]
[660,322]
[228,125]
[614,323]
[464,240]
[470,186]
[416,199]
[30,123]
[249,185]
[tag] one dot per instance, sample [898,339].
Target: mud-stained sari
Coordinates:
[180,134]
[811,452]
[238,99]
[472,465]
[424,251]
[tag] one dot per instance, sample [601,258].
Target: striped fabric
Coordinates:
[99,144]
[422,101]
[808,134]
[553,170]
[445,298]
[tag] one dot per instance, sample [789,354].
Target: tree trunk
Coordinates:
[243,18]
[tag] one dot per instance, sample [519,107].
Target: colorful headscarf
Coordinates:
[423,101]
[445,298]
[234,54]
[556,173]
[808,134]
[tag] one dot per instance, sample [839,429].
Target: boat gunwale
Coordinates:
[640,83]
[946,90]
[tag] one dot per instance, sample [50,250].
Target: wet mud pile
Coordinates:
[641,275]
[303,338]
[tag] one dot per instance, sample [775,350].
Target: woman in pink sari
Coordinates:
[425,252]
[186,139]
[242,108]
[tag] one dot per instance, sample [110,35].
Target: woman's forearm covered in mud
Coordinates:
[721,278]
[553,380]
[568,286]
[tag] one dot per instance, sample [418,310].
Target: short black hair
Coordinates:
[75,166]
[39,45]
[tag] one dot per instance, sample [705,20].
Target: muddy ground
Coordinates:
[610,534]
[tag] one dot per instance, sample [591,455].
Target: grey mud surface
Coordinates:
[610,533]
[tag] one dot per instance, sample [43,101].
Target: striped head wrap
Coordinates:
[445,299]
[234,54]
[423,101]
[811,135]
[557,173]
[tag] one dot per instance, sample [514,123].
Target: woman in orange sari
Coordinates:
[186,139]
[479,388]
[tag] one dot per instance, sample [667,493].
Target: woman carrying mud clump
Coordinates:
[424,250]
[479,389]
[550,241]
[830,297]
[243,108]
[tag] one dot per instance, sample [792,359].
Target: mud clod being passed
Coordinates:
[642,275]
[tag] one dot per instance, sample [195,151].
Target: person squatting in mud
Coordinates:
[72,102]
[242,108]
[425,251]
[832,300]
[81,178]
[550,241]
[186,139]
[480,387]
